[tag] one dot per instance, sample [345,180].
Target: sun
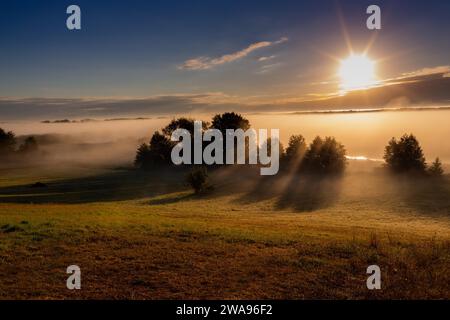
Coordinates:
[356,72]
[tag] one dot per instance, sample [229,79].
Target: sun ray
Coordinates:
[344,30]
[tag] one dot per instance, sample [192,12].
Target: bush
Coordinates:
[325,157]
[198,179]
[405,155]
[436,170]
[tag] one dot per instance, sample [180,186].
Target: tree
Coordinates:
[143,156]
[296,149]
[234,121]
[181,123]
[405,155]
[7,142]
[157,152]
[161,147]
[29,146]
[325,157]
[436,170]
[267,145]
[229,120]
[198,179]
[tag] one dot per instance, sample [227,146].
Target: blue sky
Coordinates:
[137,48]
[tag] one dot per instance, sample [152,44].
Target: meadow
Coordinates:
[145,235]
[91,176]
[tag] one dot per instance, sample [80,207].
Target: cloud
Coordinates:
[424,87]
[261,59]
[204,63]
[428,71]
[268,68]
[79,108]
[420,75]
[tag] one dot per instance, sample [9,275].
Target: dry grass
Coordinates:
[249,239]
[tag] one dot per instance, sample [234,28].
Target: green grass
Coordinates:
[142,235]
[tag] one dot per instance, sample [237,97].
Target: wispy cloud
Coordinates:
[262,59]
[204,63]
[78,108]
[424,87]
[419,75]
[268,68]
[428,71]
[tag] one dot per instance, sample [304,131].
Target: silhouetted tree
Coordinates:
[161,147]
[268,144]
[181,123]
[295,150]
[7,143]
[325,156]
[405,155]
[230,120]
[436,170]
[29,146]
[157,152]
[143,156]
[198,179]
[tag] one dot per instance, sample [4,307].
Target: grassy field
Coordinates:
[142,235]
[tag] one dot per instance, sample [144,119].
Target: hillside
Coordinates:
[144,235]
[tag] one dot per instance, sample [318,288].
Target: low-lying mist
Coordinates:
[113,143]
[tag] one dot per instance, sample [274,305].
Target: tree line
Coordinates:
[10,147]
[321,156]
[405,155]
[325,156]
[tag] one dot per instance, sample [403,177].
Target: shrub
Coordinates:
[198,179]
[405,155]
